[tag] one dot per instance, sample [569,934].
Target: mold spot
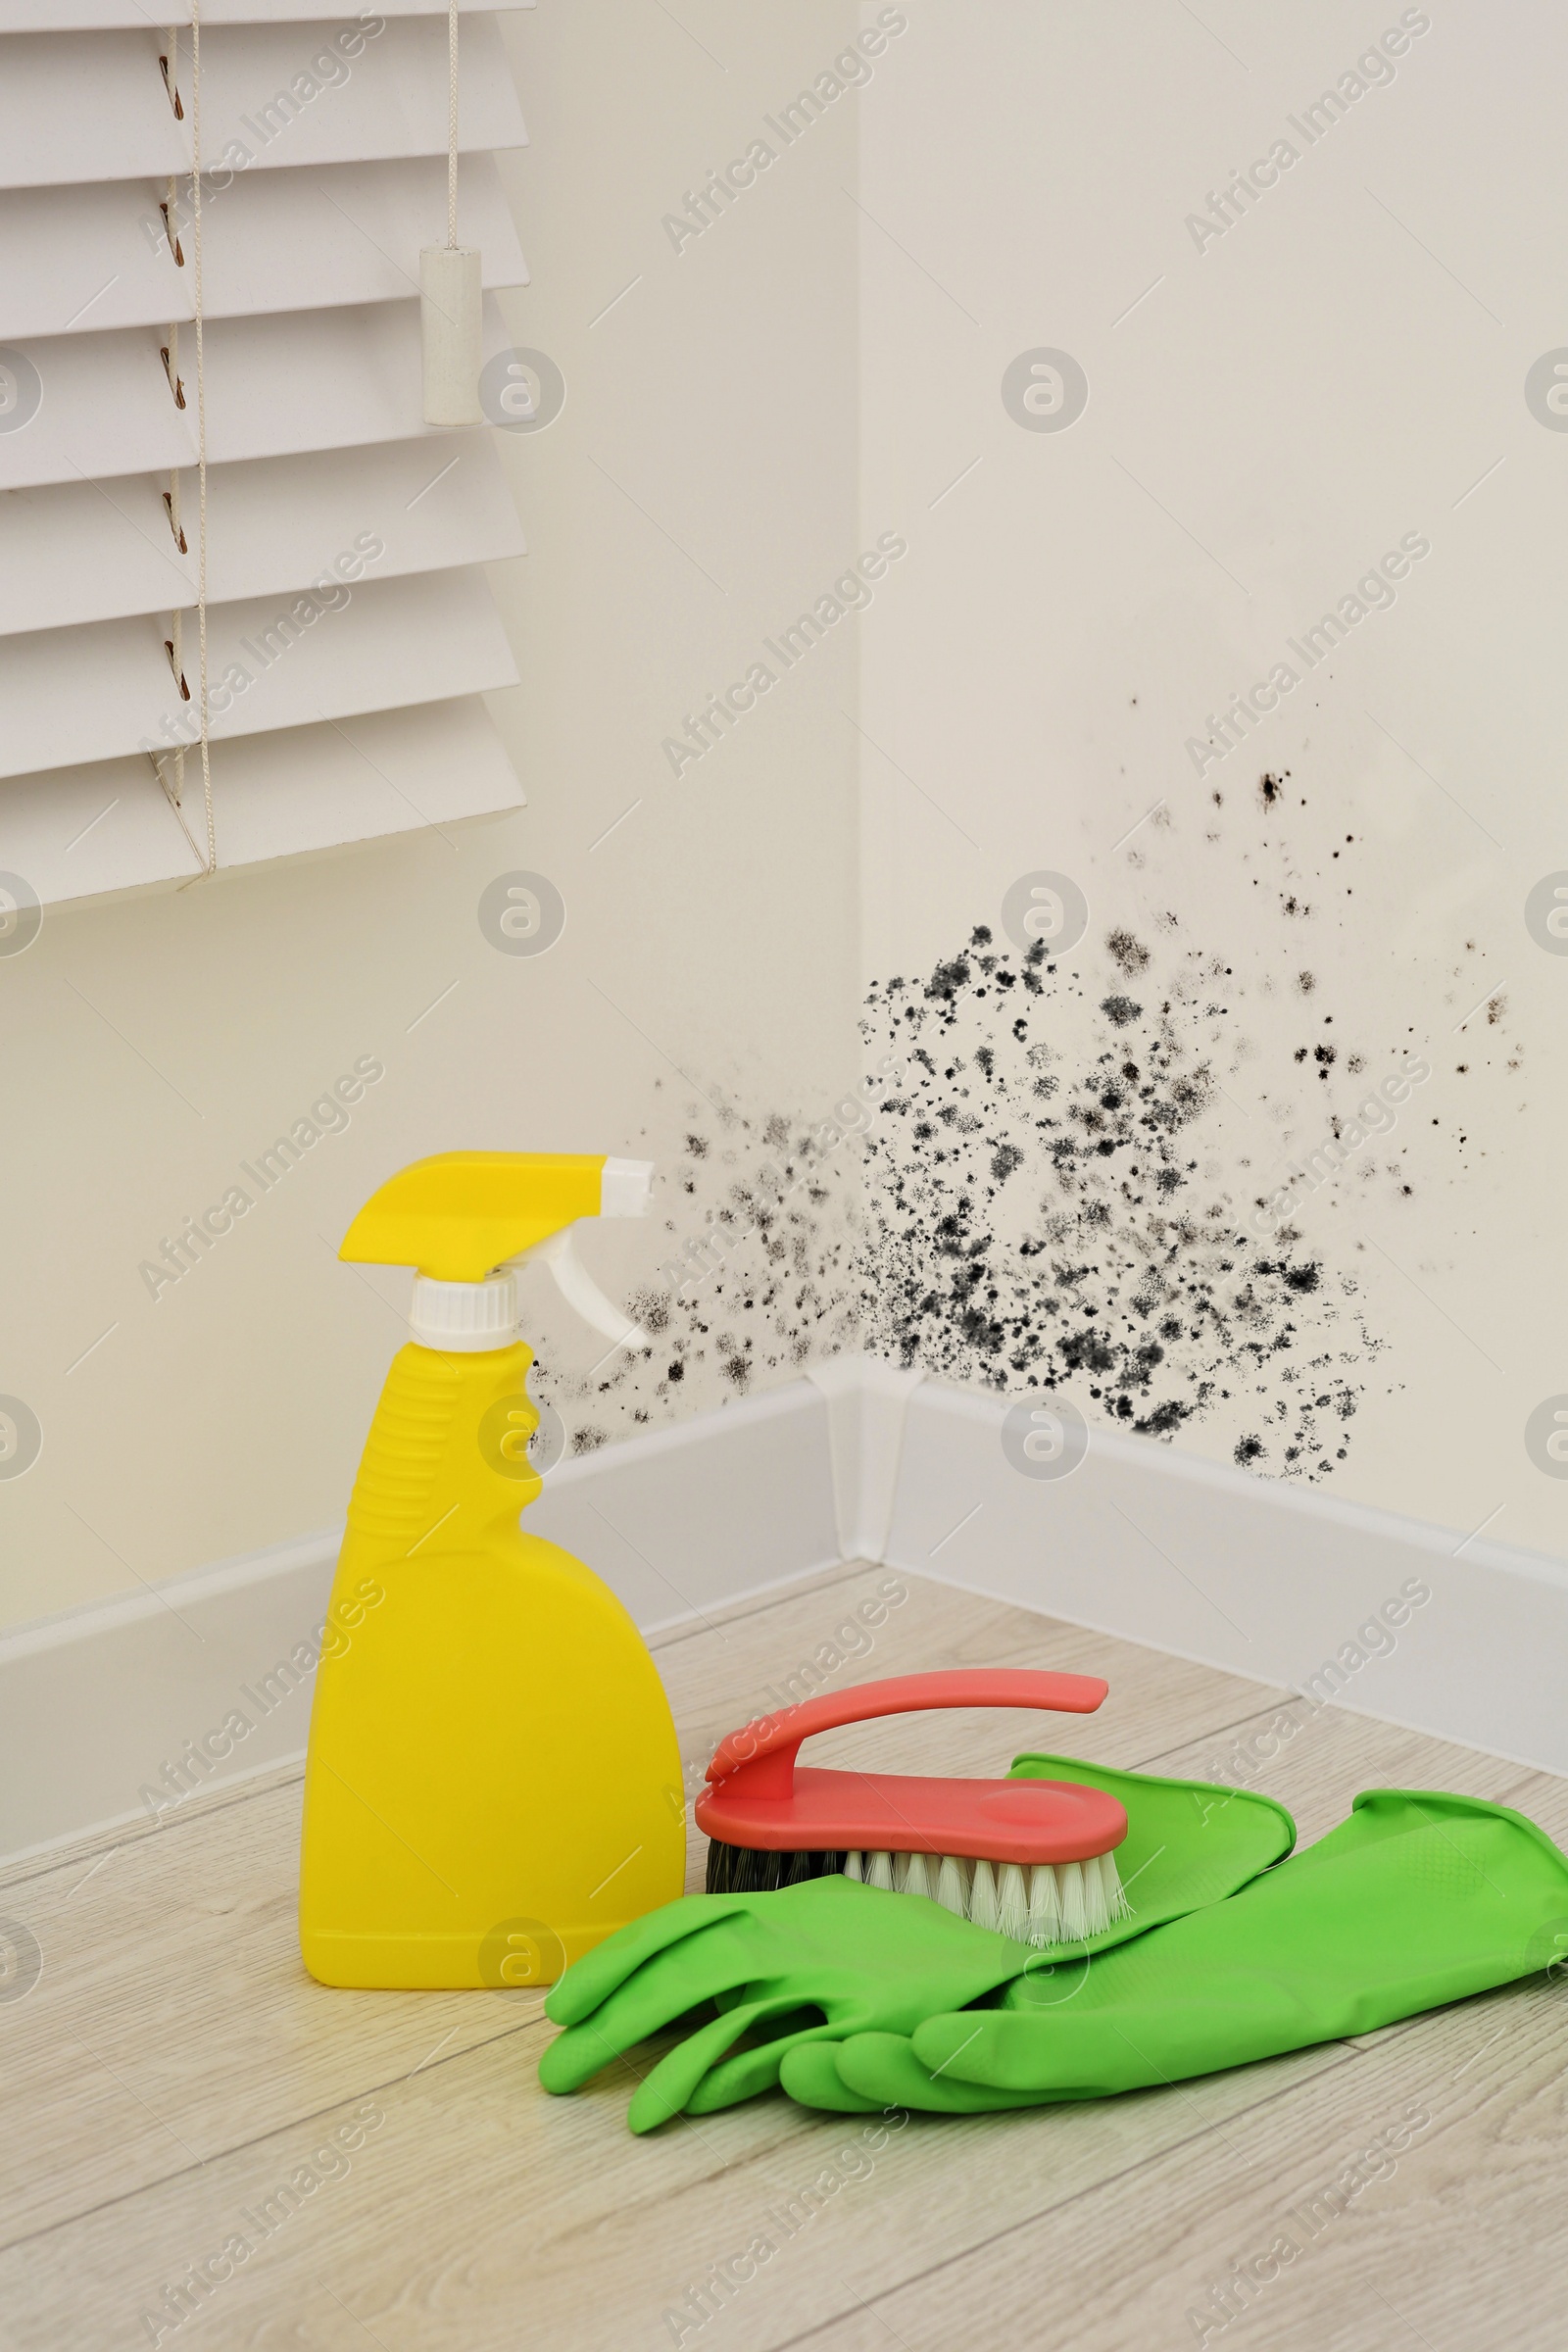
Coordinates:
[1127,953]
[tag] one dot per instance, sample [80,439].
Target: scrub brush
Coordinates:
[1030,1859]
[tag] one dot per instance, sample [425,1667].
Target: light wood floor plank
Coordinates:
[1457,2244]
[173,2066]
[766,1657]
[1314,1761]
[173,2016]
[105,2086]
[481,2212]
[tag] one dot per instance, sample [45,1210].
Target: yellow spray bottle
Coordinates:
[493,1783]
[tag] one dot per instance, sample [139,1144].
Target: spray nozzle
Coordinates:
[463,1220]
[625,1190]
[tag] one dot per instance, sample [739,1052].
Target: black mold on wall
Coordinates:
[1039,1216]
[1069,1174]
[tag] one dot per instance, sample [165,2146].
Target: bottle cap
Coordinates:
[465,1318]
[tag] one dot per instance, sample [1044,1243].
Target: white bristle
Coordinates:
[918,1875]
[1048,1904]
[1044,1906]
[1013,1903]
[952,1887]
[1074,1908]
[983,1895]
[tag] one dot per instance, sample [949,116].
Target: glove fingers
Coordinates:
[811,2075]
[744,2076]
[970,2049]
[668,2090]
[883,2070]
[700,1969]
[1005,2059]
[574,2057]
[592,1979]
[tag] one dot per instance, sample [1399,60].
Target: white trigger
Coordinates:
[579,1289]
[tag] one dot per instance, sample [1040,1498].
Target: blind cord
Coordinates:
[174,791]
[200,427]
[452,125]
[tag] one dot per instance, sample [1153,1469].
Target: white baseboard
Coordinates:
[867,1403]
[858,1461]
[1267,1580]
[96,1703]
[680,1519]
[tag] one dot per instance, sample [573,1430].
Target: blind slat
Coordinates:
[79,832]
[283,382]
[120,123]
[104,550]
[273,97]
[67,696]
[75,261]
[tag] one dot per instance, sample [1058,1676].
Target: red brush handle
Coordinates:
[764,1750]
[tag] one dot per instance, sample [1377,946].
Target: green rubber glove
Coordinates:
[1416,1900]
[852,1958]
[854,1966]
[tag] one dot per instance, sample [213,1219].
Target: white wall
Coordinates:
[1266,416]
[697,490]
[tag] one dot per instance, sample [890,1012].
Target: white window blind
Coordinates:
[350,631]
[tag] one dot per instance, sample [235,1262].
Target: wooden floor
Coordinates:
[173,2066]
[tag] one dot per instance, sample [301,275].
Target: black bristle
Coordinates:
[749,1870]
